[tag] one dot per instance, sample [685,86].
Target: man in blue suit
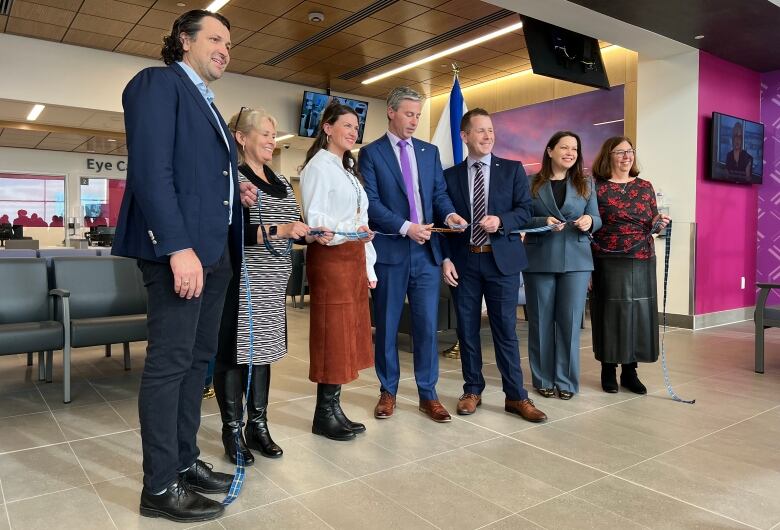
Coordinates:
[406,196]
[486,261]
[181,219]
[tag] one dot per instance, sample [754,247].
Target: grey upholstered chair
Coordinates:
[102,301]
[26,311]
[765,317]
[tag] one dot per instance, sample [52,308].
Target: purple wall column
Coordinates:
[768,255]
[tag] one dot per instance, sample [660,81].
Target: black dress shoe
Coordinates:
[179,503]
[201,478]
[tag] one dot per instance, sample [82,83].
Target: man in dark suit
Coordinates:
[181,219]
[486,260]
[406,195]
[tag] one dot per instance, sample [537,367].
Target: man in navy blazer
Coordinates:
[181,219]
[486,261]
[406,195]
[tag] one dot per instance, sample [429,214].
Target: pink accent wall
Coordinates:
[726,214]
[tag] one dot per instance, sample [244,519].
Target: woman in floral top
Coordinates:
[624,307]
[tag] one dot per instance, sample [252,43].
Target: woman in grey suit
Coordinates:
[559,265]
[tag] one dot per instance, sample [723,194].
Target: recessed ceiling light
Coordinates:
[216,5]
[699,37]
[181,4]
[111,140]
[445,53]
[284,137]
[35,112]
[316,17]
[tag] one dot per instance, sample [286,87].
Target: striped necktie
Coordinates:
[479,205]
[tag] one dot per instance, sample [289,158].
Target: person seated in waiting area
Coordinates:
[56,221]
[37,221]
[22,219]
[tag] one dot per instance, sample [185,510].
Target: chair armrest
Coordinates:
[768,285]
[63,293]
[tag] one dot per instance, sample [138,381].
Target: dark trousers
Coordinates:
[480,277]
[182,339]
[418,279]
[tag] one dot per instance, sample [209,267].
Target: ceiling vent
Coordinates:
[5,7]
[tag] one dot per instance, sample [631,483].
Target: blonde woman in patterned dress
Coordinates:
[270,227]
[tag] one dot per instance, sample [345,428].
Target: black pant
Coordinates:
[182,339]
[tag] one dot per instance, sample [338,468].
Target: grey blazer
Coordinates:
[569,249]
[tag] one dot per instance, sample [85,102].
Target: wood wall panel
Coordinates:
[527,88]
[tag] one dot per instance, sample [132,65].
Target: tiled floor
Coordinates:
[601,461]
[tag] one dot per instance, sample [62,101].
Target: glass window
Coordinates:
[36,201]
[101,199]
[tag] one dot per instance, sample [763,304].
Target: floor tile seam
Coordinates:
[694,440]
[78,460]
[507,517]
[589,439]
[22,415]
[313,513]
[5,505]
[44,446]
[574,495]
[468,491]
[694,505]
[388,497]
[777,525]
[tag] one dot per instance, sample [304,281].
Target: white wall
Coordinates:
[667,119]
[61,74]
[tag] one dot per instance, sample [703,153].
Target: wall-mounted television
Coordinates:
[737,150]
[563,54]
[314,104]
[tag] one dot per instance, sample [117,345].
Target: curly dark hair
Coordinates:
[189,23]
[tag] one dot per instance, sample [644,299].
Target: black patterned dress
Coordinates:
[624,304]
[268,275]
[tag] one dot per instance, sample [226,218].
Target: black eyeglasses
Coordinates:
[238,118]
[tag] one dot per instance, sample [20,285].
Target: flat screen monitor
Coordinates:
[737,150]
[563,54]
[314,104]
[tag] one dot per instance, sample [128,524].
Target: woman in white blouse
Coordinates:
[340,269]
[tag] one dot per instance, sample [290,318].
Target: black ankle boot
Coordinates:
[229,389]
[325,421]
[608,378]
[346,422]
[629,379]
[258,437]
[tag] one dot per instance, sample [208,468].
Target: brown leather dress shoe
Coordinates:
[384,409]
[435,410]
[468,403]
[525,408]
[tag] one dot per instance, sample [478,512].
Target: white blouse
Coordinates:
[329,194]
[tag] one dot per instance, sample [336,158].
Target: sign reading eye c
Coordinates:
[98,166]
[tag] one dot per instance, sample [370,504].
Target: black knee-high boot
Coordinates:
[608,378]
[346,422]
[326,423]
[229,389]
[258,437]
[629,379]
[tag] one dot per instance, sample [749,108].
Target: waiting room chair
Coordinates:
[18,253]
[297,286]
[101,301]
[765,317]
[27,321]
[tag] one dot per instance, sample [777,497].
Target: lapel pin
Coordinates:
[422,149]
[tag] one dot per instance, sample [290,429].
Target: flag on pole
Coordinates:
[447,136]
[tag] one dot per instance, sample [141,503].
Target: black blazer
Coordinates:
[508,198]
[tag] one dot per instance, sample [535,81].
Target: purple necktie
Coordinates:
[406,171]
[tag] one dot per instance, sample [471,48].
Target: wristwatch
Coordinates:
[272,230]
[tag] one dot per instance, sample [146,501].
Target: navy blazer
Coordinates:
[508,199]
[388,205]
[569,249]
[178,193]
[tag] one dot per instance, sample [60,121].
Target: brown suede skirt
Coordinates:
[340,322]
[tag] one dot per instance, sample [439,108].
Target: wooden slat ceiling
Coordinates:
[263,30]
[59,141]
